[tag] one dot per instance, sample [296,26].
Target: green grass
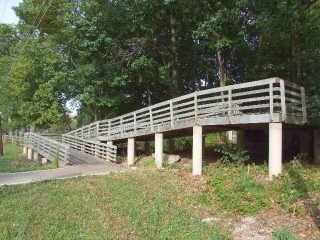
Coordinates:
[237,190]
[132,205]
[14,161]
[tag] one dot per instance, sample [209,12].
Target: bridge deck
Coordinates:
[264,101]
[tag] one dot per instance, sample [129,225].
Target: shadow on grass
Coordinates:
[312,206]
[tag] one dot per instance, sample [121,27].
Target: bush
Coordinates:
[231,154]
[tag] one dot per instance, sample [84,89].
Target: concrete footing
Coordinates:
[275,149]
[158,145]
[316,146]
[25,150]
[44,161]
[30,154]
[35,156]
[131,151]
[197,151]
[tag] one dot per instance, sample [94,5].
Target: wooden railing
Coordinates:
[18,140]
[269,100]
[46,147]
[103,151]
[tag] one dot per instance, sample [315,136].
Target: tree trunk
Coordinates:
[1,144]
[222,65]
[174,73]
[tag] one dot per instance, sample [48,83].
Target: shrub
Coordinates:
[231,154]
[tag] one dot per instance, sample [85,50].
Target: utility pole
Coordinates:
[1,144]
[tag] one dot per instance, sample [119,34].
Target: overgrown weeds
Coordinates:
[244,190]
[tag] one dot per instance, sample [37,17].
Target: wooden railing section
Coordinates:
[103,151]
[46,147]
[17,140]
[269,100]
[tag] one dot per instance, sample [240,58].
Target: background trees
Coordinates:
[116,56]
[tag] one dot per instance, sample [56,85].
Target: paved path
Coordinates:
[59,173]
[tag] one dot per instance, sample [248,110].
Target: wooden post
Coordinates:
[195,107]
[303,103]
[151,120]
[230,104]
[283,100]
[271,101]
[135,122]
[171,114]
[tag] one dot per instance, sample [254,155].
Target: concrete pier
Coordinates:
[275,149]
[30,154]
[158,145]
[197,151]
[131,151]
[35,156]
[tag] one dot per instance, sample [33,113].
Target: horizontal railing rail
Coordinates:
[46,147]
[103,151]
[269,100]
[17,140]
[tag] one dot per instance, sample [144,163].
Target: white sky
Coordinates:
[7,14]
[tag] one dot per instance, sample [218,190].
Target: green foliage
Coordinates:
[231,154]
[55,161]
[113,57]
[284,234]
[236,190]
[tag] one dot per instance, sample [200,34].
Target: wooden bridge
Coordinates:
[271,102]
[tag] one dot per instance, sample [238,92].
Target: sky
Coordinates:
[7,15]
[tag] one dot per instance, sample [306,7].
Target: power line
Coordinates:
[32,30]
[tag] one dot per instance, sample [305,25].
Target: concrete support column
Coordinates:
[25,150]
[316,146]
[131,151]
[35,156]
[44,161]
[197,151]
[158,145]
[275,149]
[30,154]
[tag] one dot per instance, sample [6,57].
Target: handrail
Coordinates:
[271,100]
[18,140]
[46,147]
[103,151]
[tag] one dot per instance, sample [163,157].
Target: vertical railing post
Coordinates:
[195,99]
[121,124]
[171,114]
[109,128]
[303,104]
[283,101]
[151,120]
[135,122]
[271,100]
[230,104]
